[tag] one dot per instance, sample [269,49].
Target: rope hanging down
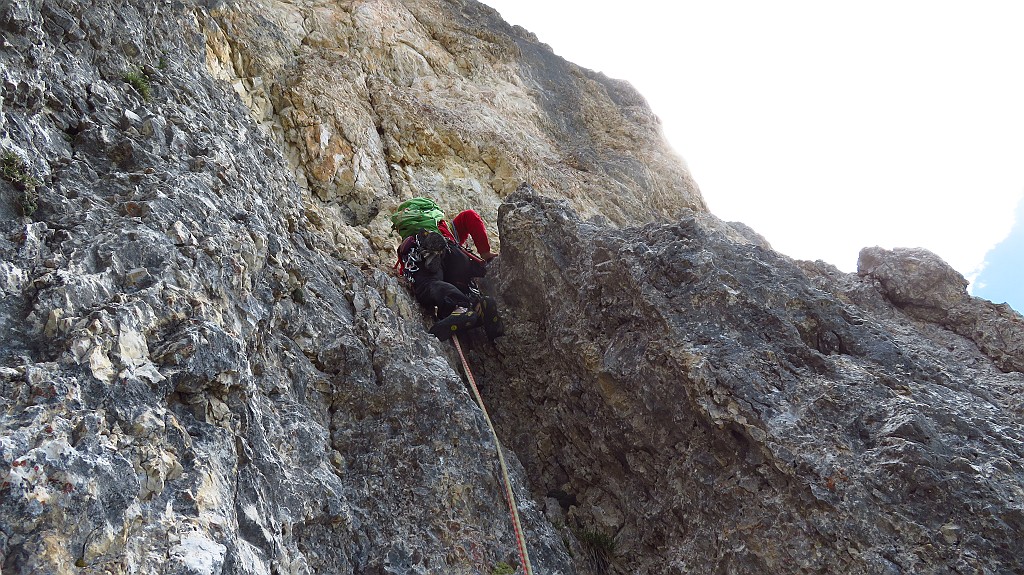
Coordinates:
[509,496]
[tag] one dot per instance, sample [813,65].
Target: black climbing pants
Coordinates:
[447,286]
[445,296]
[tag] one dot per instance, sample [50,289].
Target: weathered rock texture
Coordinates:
[715,407]
[376,101]
[198,376]
[205,366]
[927,289]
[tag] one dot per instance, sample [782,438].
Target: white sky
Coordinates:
[826,126]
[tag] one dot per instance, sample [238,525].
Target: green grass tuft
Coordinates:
[14,169]
[597,541]
[503,568]
[600,547]
[140,81]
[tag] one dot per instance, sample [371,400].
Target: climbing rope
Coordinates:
[509,496]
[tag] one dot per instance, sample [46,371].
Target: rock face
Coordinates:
[200,371]
[928,289]
[712,406]
[206,366]
[377,101]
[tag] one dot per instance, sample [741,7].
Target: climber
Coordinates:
[442,271]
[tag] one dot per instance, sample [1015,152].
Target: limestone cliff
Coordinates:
[375,101]
[206,365]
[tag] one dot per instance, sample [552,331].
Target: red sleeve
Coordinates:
[442,226]
[469,224]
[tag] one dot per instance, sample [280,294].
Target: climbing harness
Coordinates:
[419,250]
[509,496]
[412,254]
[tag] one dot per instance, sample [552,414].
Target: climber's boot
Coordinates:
[488,310]
[460,320]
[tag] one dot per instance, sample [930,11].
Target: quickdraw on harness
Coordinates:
[418,250]
[412,253]
[510,497]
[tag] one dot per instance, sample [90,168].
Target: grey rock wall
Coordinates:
[927,289]
[193,380]
[712,406]
[206,365]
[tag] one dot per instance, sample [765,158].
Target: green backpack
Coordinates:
[415,215]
